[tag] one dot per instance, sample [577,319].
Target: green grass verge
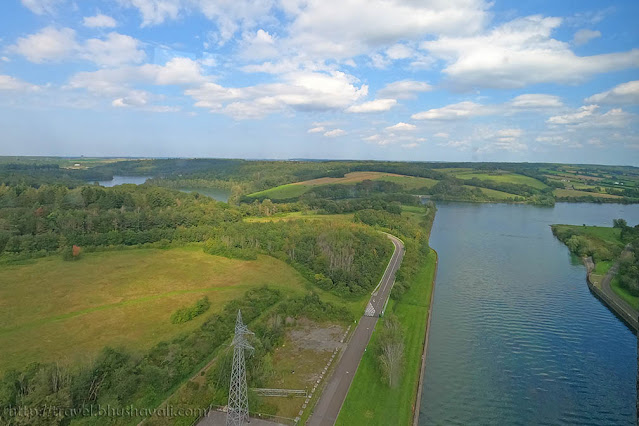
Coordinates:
[502,178]
[371,402]
[624,294]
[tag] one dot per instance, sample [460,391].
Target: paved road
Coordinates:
[332,399]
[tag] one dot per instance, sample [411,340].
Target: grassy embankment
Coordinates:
[371,402]
[122,298]
[501,177]
[604,245]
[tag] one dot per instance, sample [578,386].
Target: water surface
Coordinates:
[516,336]
[119,180]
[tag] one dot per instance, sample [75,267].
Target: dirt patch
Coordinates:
[310,335]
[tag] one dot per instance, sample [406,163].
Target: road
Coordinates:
[334,394]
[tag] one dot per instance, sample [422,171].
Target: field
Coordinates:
[494,194]
[293,190]
[501,177]
[56,310]
[369,401]
[560,193]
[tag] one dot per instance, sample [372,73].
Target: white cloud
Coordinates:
[403,89]
[399,51]
[228,15]
[338,29]
[13,84]
[402,127]
[49,44]
[442,135]
[625,93]
[583,36]
[258,45]
[116,49]
[588,116]
[99,21]
[534,101]
[584,113]
[519,53]
[318,129]
[457,111]
[378,105]
[334,133]
[410,145]
[40,7]
[301,90]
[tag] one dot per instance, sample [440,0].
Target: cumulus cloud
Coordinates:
[341,29]
[318,129]
[9,83]
[588,116]
[519,53]
[258,45]
[51,45]
[116,49]
[99,21]
[378,105]
[228,15]
[401,127]
[457,111]
[403,89]
[334,133]
[625,93]
[41,7]
[534,101]
[300,90]
[442,135]
[583,36]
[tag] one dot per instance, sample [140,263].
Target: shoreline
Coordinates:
[621,313]
[420,383]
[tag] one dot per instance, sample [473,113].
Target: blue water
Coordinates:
[516,336]
[119,180]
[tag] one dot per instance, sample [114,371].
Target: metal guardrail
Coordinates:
[281,392]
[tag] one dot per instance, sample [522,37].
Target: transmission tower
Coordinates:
[237,411]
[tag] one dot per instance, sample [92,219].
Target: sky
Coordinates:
[415,80]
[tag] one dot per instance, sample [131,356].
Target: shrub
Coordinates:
[188,313]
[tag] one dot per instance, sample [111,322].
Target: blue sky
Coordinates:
[458,80]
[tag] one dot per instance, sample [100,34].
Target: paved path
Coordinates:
[334,394]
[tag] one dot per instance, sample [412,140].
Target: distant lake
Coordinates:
[119,180]
[218,194]
[516,337]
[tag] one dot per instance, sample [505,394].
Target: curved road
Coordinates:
[334,394]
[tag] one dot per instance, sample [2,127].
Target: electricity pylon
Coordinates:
[237,411]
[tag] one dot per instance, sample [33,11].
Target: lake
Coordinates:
[218,194]
[516,337]
[120,180]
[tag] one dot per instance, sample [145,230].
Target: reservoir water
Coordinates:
[120,180]
[516,337]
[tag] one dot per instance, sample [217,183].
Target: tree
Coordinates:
[391,350]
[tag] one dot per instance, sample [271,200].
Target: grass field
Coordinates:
[120,298]
[624,294]
[574,193]
[369,401]
[493,193]
[503,177]
[294,190]
[605,233]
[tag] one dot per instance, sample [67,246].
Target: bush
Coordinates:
[188,313]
